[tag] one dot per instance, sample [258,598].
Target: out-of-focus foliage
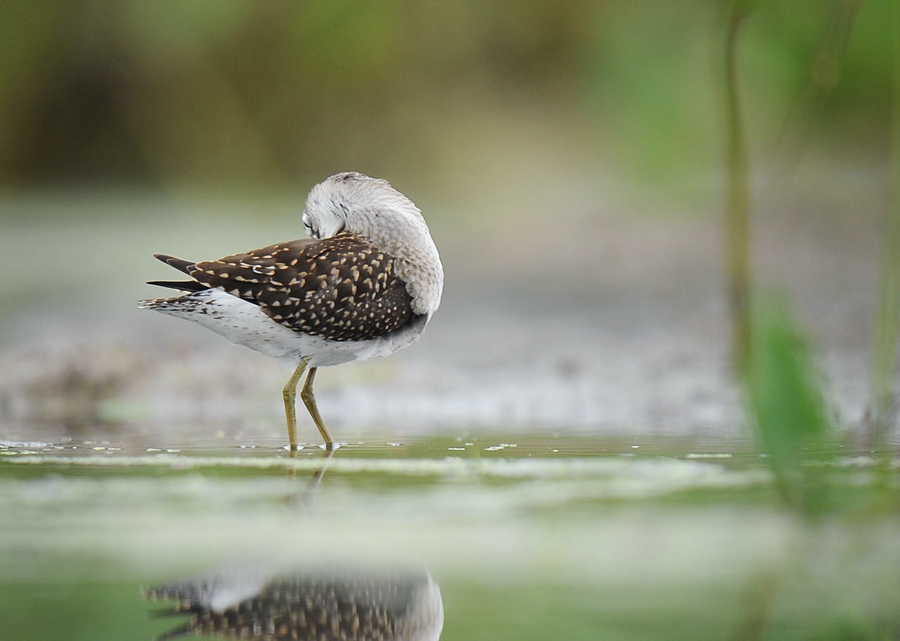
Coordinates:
[788,407]
[882,410]
[261,93]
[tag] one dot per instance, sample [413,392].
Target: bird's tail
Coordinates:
[183,285]
[178,263]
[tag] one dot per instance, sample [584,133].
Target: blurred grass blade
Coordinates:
[887,321]
[737,241]
[787,406]
[822,78]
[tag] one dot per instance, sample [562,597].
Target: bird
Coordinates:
[364,284]
[305,605]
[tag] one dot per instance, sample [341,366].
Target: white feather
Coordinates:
[245,324]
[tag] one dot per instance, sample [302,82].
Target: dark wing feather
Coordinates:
[177,263]
[339,288]
[183,285]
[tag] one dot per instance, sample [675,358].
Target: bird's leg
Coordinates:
[309,400]
[289,393]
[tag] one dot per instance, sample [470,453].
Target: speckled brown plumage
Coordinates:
[339,288]
[364,286]
[307,608]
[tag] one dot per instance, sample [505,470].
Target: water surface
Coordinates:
[525,537]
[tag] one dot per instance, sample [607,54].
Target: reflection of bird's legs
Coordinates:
[289,393]
[314,480]
[309,400]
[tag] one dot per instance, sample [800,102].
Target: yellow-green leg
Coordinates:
[309,400]
[289,393]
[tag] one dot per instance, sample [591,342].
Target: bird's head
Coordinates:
[363,206]
[372,210]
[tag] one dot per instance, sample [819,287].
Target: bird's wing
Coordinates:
[177,263]
[340,288]
[183,285]
[182,266]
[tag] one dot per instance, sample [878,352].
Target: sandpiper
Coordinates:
[365,284]
[305,605]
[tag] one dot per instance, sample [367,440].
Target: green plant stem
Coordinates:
[887,320]
[737,242]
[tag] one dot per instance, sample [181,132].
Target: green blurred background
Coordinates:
[569,157]
[237,95]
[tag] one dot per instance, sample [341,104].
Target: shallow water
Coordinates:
[574,469]
[526,538]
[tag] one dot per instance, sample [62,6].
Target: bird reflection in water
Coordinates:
[312,484]
[301,606]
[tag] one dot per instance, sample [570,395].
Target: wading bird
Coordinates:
[364,284]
